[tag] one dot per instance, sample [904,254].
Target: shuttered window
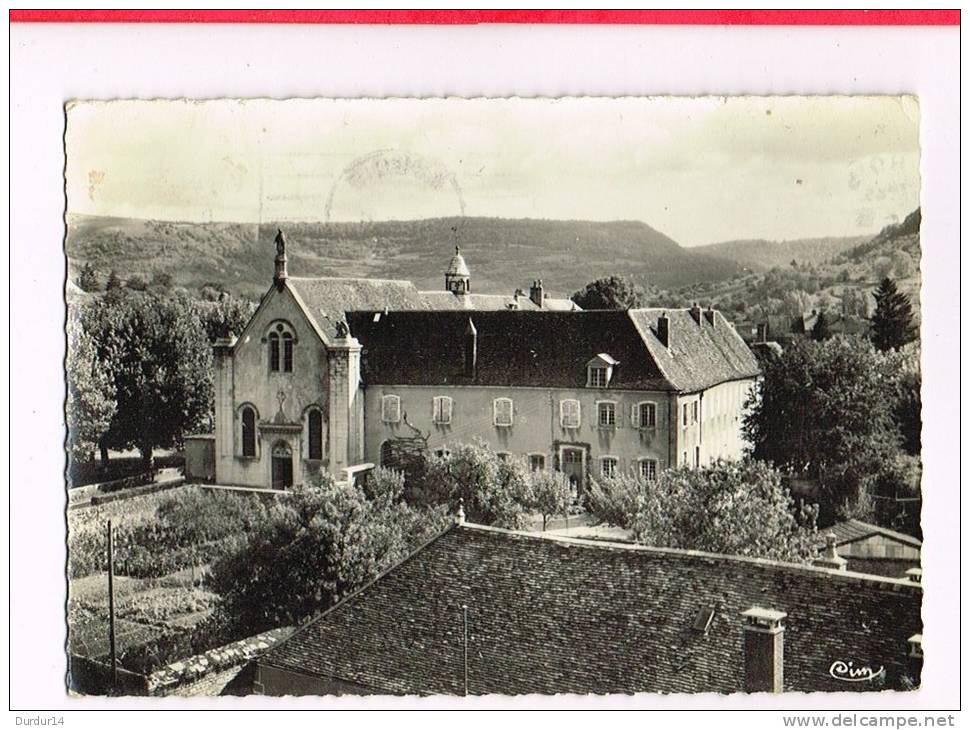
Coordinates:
[441,407]
[607,414]
[569,413]
[502,411]
[644,415]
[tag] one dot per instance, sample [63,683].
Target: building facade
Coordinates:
[328,373]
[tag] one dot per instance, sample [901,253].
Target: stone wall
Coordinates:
[225,670]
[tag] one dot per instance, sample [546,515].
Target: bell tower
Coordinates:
[457,277]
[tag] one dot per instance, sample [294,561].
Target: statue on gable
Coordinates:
[342,329]
[280,242]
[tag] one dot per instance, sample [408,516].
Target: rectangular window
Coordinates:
[607,414]
[695,411]
[537,462]
[648,469]
[442,409]
[503,455]
[685,414]
[597,377]
[647,415]
[608,466]
[569,413]
[502,411]
[697,456]
[391,409]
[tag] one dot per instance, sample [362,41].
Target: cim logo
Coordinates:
[848,672]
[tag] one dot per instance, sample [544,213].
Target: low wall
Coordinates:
[227,670]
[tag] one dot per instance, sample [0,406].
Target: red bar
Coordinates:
[474,17]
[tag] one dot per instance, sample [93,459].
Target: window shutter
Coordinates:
[446,409]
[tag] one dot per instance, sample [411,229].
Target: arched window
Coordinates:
[274,352]
[315,434]
[387,454]
[281,343]
[248,432]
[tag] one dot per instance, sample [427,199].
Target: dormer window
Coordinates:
[599,371]
[281,343]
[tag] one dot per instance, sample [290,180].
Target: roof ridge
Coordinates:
[407,282]
[685,553]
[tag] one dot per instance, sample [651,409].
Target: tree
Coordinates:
[820,330]
[883,267]
[161,363]
[550,494]
[825,412]
[137,282]
[736,508]
[87,278]
[892,322]
[90,393]
[318,543]
[494,491]
[614,292]
[114,281]
[902,264]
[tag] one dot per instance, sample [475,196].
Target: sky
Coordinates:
[700,170]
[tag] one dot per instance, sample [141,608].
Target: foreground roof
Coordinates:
[558,615]
[551,349]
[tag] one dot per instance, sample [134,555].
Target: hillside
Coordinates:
[841,286]
[761,255]
[502,253]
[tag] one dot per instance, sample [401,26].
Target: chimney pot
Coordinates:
[695,312]
[711,316]
[536,294]
[830,558]
[764,649]
[461,511]
[663,329]
[915,575]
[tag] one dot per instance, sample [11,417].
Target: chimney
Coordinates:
[535,293]
[279,273]
[695,312]
[830,558]
[471,349]
[762,332]
[460,516]
[764,650]
[663,329]
[710,315]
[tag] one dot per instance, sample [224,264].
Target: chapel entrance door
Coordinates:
[574,468]
[282,466]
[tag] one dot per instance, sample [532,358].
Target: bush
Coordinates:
[494,491]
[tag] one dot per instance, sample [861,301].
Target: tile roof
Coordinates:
[515,348]
[700,355]
[854,530]
[444,300]
[328,299]
[557,615]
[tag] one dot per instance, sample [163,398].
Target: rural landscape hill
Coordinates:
[761,255]
[502,253]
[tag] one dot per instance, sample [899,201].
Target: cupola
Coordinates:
[457,277]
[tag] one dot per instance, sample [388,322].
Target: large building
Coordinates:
[481,610]
[329,372]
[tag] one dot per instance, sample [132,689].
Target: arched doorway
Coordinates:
[282,465]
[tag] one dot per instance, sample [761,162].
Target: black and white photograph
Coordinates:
[493,396]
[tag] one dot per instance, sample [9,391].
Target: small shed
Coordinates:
[874,549]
